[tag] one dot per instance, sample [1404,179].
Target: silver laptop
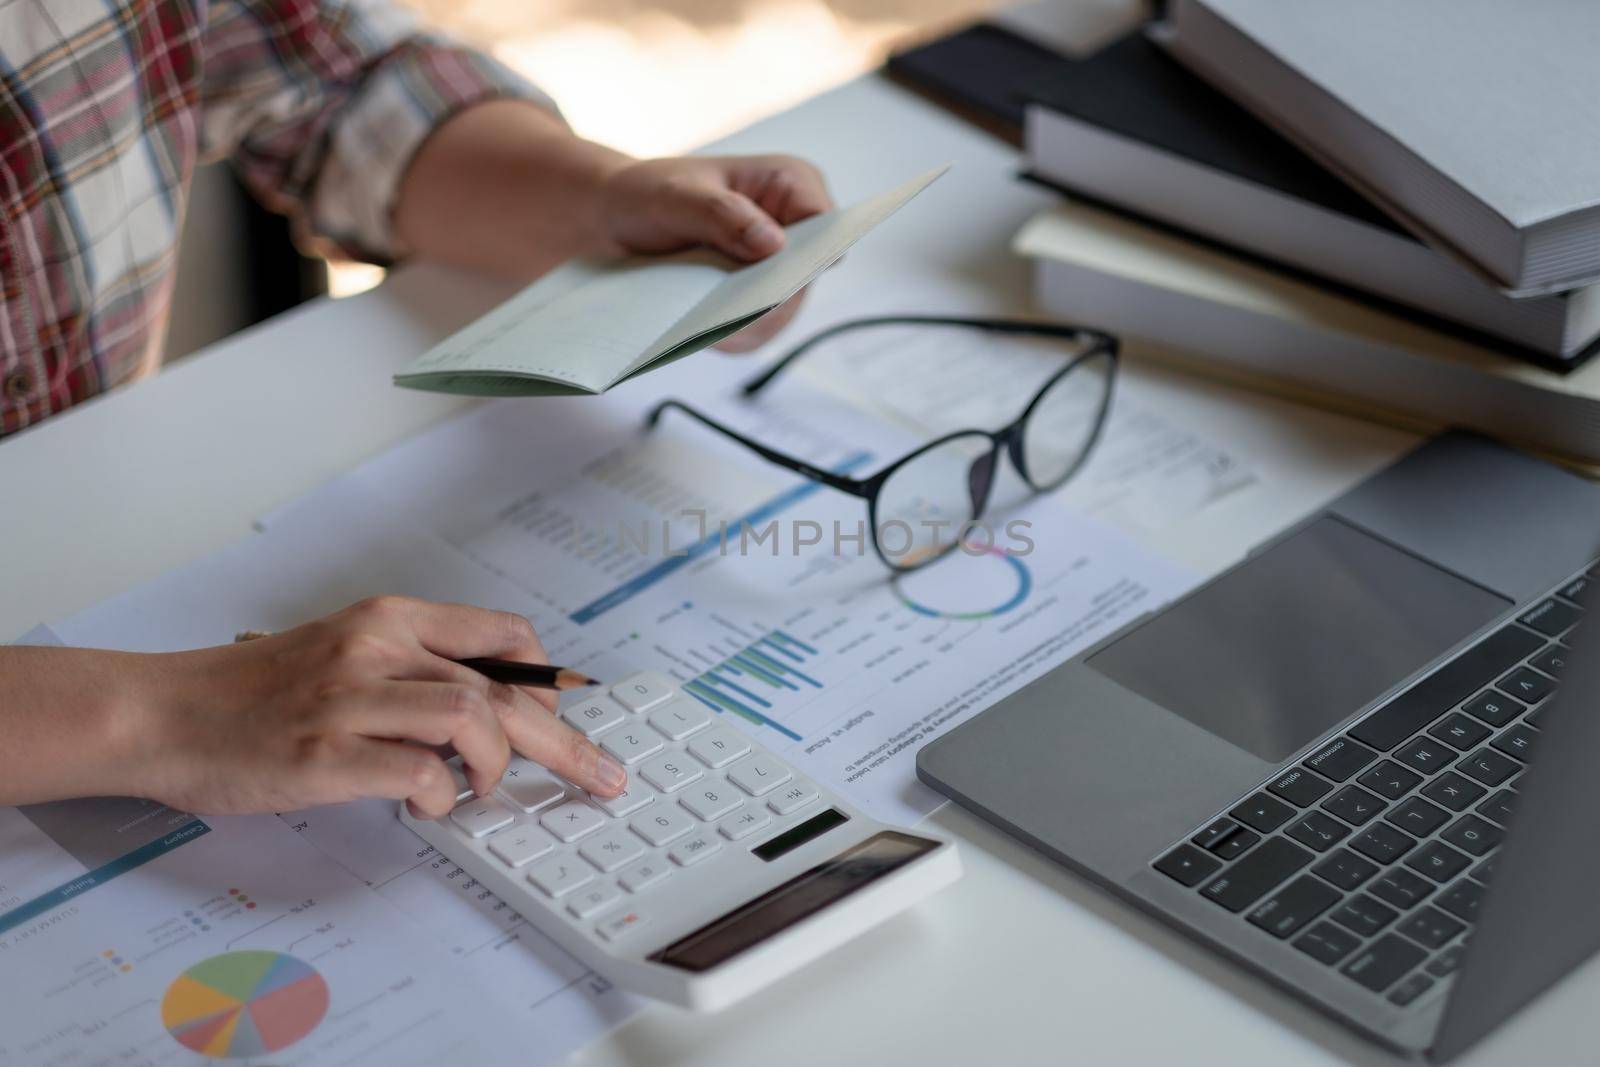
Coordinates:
[1318,763]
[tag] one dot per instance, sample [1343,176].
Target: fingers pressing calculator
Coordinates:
[717,872]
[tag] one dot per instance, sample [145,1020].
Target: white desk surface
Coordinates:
[1019,962]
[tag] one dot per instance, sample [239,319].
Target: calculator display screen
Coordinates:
[774,912]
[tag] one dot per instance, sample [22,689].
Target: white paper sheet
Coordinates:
[139,968]
[615,540]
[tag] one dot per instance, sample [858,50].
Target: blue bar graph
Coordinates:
[765,671]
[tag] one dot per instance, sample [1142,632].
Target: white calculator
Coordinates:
[718,871]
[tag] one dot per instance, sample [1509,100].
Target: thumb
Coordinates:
[731,222]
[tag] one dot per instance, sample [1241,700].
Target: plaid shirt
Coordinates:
[105,107]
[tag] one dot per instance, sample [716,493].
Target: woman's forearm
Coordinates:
[71,721]
[505,187]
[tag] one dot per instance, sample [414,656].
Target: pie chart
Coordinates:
[244,1004]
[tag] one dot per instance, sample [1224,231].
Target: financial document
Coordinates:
[671,548]
[132,934]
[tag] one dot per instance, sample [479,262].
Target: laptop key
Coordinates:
[1401,888]
[1552,618]
[1383,843]
[1327,943]
[1354,805]
[1317,831]
[1409,990]
[1445,963]
[1426,755]
[1500,807]
[1430,928]
[1363,915]
[1580,590]
[1390,780]
[1530,687]
[1472,835]
[1442,690]
[1263,813]
[1343,869]
[1214,833]
[1300,787]
[1384,962]
[1462,900]
[1235,844]
[1489,767]
[1494,708]
[1484,871]
[1418,817]
[1289,909]
[1187,865]
[1340,759]
[1453,791]
[1458,731]
[1438,861]
[1517,741]
[1552,661]
[1253,877]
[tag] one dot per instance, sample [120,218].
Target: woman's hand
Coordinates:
[342,708]
[504,186]
[736,204]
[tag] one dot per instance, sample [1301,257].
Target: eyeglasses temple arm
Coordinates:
[1005,326]
[840,482]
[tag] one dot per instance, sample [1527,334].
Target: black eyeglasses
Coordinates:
[945,485]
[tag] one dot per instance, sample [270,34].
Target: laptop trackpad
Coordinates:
[1280,649]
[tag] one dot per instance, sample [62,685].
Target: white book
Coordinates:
[1473,122]
[1223,315]
[585,327]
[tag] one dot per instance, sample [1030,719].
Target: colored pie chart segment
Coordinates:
[244,1004]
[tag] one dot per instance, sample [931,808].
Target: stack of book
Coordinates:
[1393,205]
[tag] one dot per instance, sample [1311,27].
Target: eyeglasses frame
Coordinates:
[1008,438]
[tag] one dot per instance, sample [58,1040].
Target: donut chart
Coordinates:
[1021,586]
[244,1004]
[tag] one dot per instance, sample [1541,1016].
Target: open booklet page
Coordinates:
[585,327]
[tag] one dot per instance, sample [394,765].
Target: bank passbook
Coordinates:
[587,326]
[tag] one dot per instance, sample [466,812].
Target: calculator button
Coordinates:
[792,797]
[626,802]
[643,691]
[572,820]
[560,875]
[644,874]
[680,718]
[743,823]
[479,818]
[759,775]
[632,743]
[594,716]
[694,849]
[611,850]
[619,926]
[660,823]
[670,771]
[718,748]
[529,786]
[518,845]
[594,901]
[711,799]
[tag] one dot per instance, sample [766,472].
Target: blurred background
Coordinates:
[650,77]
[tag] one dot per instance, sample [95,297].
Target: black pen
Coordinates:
[539,675]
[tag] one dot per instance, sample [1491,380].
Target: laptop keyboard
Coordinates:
[1371,855]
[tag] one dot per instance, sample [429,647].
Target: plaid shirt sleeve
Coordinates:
[322,104]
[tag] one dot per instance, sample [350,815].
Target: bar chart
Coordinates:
[749,682]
